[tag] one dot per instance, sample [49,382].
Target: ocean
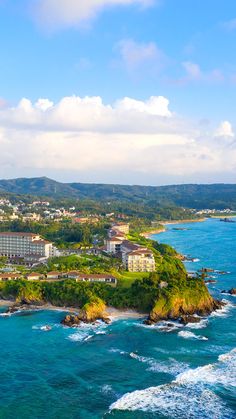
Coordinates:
[127,370]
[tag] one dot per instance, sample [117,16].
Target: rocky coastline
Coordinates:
[74,316]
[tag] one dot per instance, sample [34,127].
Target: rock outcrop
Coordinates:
[232,291]
[183,304]
[92,311]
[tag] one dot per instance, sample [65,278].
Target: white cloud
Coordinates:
[225,130]
[128,141]
[155,105]
[135,54]
[72,13]
[195,73]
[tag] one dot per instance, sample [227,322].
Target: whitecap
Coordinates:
[190,335]
[188,395]
[78,336]
[175,401]
[116,350]
[224,311]
[201,325]
[168,326]
[172,366]
[106,389]
[222,372]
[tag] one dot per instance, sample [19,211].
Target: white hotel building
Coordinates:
[24,244]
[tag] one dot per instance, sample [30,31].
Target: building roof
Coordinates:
[73,273]
[141,252]
[13,233]
[41,241]
[115,239]
[129,245]
[10,275]
[34,274]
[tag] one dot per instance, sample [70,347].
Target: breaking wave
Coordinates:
[171,367]
[190,335]
[190,395]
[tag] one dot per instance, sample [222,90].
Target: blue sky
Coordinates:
[182,50]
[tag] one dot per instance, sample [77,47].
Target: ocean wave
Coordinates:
[201,325]
[188,396]
[190,335]
[222,372]
[163,326]
[175,401]
[106,389]
[117,351]
[78,336]
[171,367]
[86,331]
[224,311]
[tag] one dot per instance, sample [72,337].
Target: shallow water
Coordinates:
[128,370]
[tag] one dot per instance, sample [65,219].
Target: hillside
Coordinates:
[190,196]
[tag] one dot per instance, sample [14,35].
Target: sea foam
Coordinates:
[190,335]
[189,395]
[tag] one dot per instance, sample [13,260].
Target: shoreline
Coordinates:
[112,312]
[162,229]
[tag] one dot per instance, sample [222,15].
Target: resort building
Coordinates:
[113,245]
[109,279]
[139,260]
[34,276]
[25,244]
[53,275]
[121,227]
[9,276]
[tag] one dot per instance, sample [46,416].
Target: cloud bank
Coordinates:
[56,14]
[129,141]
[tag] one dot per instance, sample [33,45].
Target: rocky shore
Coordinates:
[183,312]
[232,291]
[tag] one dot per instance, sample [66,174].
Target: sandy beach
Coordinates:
[116,314]
[112,313]
[162,229]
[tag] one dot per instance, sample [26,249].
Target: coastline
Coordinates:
[162,229]
[112,312]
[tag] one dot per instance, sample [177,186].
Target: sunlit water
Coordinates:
[128,370]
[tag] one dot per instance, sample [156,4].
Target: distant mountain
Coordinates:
[189,196]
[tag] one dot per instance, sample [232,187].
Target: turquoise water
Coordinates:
[127,370]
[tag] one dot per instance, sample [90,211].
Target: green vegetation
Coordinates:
[165,293]
[151,197]
[63,233]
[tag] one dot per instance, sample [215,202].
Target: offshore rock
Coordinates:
[189,319]
[232,291]
[71,320]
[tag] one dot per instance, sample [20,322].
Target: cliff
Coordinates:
[176,303]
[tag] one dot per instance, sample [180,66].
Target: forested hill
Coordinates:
[189,196]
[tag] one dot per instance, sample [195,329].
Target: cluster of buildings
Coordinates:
[208,211]
[135,258]
[57,276]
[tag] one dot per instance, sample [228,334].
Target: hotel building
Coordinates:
[20,245]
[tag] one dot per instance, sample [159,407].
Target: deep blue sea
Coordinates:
[127,370]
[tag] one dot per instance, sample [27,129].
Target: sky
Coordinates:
[118,91]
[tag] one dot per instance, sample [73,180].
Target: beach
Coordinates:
[162,228]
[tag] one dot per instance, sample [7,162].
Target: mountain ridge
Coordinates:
[218,195]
